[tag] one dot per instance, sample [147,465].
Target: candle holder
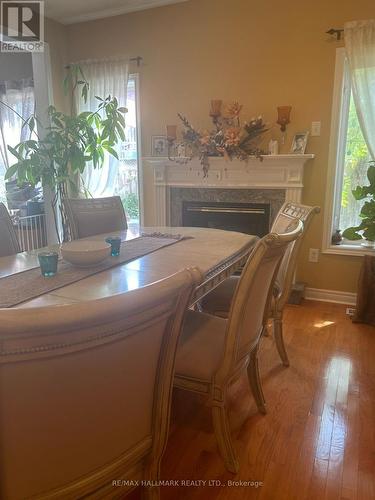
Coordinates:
[283,116]
[215,111]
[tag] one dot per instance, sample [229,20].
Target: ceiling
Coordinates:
[76,11]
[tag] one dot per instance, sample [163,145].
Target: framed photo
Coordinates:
[159,145]
[299,143]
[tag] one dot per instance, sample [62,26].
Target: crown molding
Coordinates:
[131,6]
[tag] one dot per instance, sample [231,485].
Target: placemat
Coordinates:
[29,284]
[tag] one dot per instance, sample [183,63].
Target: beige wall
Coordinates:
[263,54]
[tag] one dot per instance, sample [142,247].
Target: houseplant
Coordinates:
[366,229]
[58,157]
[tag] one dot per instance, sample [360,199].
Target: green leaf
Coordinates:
[111,151]
[31,123]
[360,192]
[371,175]
[369,233]
[120,131]
[11,171]
[15,153]
[123,110]
[351,234]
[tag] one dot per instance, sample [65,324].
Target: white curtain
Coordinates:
[106,77]
[360,48]
[19,96]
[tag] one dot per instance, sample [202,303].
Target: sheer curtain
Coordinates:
[106,77]
[360,48]
[19,96]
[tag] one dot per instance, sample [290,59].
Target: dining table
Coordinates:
[217,253]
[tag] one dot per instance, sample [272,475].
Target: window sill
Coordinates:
[347,249]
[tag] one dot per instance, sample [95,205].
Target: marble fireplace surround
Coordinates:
[276,179]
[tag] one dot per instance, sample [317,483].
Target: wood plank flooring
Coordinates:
[317,440]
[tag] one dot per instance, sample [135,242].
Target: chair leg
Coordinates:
[279,340]
[224,438]
[254,381]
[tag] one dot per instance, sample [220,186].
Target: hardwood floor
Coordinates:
[317,440]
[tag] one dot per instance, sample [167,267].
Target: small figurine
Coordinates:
[336,237]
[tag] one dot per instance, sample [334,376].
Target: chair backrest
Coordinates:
[249,308]
[87,217]
[86,390]
[8,239]
[285,275]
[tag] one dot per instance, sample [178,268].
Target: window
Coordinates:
[348,160]
[16,104]
[126,184]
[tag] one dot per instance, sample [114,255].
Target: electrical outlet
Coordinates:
[350,311]
[315,129]
[314,255]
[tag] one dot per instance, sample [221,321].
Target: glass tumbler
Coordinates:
[48,263]
[115,243]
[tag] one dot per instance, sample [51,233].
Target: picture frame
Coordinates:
[299,143]
[159,145]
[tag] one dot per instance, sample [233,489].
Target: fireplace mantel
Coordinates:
[273,172]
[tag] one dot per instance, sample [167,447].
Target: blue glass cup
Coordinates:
[115,243]
[48,263]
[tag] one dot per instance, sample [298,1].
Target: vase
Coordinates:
[336,237]
[368,244]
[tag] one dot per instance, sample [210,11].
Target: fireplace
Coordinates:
[275,179]
[250,218]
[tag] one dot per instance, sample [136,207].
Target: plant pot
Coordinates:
[17,196]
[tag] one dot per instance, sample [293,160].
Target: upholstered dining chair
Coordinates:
[8,239]
[86,391]
[213,352]
[90,216]
[218,301]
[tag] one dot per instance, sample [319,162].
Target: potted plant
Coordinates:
[57,158]
[366,229]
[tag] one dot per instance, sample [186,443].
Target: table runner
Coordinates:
[29,284]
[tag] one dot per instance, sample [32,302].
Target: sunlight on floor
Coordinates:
[333,428]
[322,324]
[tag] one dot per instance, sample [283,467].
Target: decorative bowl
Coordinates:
[85,253]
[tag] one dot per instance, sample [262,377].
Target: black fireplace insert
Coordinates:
[250,218]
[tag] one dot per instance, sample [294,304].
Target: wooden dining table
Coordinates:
[217,253]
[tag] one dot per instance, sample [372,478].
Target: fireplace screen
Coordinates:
[250,218]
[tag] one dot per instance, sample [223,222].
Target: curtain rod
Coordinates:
[137,59]
[336,33]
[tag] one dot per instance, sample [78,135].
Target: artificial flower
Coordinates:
[234,109]
[232,136]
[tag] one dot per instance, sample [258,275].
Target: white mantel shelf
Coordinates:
[274,172]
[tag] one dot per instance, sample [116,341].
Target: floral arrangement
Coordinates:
[229,138]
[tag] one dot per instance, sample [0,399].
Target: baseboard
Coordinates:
[331,296]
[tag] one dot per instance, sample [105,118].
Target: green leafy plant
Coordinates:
[57,156]
[366,229]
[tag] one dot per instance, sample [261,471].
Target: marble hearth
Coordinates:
[273,180]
